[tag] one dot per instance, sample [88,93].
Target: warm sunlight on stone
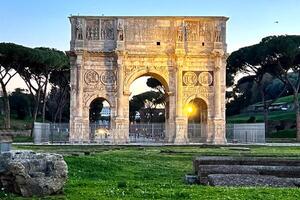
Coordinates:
[187,55]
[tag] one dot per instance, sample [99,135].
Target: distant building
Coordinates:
[283,106]
[105,112]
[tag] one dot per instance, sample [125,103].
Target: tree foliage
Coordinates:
[21,103]
[34,65]
[148,100]
[274,57]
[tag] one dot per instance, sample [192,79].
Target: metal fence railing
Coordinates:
[145,133]
[196,131]
[51,133]
[246,133]
[154,132]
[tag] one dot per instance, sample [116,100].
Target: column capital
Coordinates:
[127,93]
[218,53]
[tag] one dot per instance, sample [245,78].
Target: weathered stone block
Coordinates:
[205,170]
[249,180]
[258,161]
[32,174]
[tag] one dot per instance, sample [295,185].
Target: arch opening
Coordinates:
[99,118]
[196,111]
[148,108]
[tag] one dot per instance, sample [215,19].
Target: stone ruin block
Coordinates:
[32,174]
[247,171]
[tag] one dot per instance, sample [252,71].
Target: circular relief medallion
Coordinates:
[91,77]
[205,78]
[190,78]
[108,78]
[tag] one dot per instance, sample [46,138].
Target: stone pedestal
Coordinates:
[219,136]
[121,131]
[170,131]
[80,131]
[181,130]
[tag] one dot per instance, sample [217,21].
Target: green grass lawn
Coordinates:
[273,116]
[152,173]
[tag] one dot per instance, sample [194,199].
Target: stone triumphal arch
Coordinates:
[186,54]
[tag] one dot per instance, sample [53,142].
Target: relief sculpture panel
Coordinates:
[107,29]
[91,77]
[103,80]
[197,78]
[92,29]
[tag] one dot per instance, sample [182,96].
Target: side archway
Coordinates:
[197,114]
[99,118]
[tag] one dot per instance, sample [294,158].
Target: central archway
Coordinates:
[148,108]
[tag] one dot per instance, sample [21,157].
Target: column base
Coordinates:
[219,132]
[219,141]
[170,132]
[181,130]
[121,131]
[79,131]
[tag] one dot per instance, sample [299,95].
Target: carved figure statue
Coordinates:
[78,27]
[180,34]
[120,32]
[218,33]
[207,35]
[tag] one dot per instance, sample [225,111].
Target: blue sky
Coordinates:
[45,23]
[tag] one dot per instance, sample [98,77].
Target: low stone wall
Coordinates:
[247,171]
[16,132]
[32,174]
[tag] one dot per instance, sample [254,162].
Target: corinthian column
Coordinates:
[219,121]
[120,86]
[218,92]
[121,123]
[180,120]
